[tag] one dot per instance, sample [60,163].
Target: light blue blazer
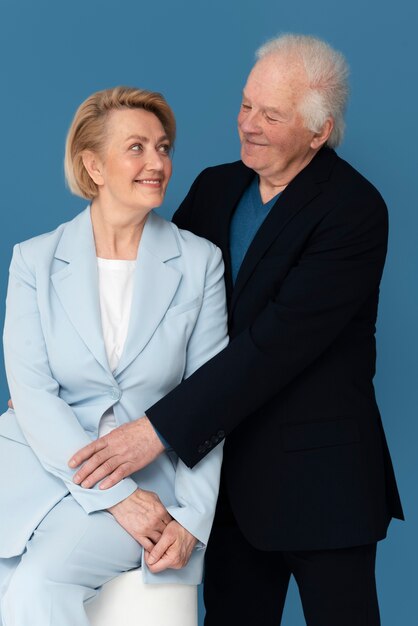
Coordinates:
[61,384]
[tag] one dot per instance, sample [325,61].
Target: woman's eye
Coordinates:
[164,148]
[137,147]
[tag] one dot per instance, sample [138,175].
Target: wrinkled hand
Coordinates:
[143,516]
[173,550]
[122,452]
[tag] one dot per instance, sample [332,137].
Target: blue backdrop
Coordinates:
[54,54]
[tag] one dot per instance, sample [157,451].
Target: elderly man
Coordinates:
[308,486]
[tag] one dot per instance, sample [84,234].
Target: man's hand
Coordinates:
[122,452]
[143,516]
[173,550]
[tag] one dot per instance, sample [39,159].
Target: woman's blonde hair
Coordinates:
[88,129]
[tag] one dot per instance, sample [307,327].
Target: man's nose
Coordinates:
[250,122]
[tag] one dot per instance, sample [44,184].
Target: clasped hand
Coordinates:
[167,544]
[122,452]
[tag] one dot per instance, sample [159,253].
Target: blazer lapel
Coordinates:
[155,284]
[232,191]
[77,284]
[302,190]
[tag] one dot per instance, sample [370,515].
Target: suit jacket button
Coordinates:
[115,393]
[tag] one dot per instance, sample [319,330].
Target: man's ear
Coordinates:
[94,166]
[319,139]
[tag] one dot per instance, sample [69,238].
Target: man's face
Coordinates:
[274,140]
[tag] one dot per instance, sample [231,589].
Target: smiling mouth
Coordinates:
[149,181]
[254,143]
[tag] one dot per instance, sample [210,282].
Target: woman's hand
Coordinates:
[173,550]
[143,516]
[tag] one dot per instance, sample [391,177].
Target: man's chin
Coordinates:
[247,159]
[250,161]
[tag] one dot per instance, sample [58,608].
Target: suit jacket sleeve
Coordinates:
[340,268]
[48,423]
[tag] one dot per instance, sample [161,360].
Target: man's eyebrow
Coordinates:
[272,109]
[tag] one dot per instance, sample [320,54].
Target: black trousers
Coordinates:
[245,586]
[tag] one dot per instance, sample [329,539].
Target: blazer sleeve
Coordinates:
[196,489]
[338,271]
[48,423]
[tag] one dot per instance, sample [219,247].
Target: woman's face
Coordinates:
[136,165]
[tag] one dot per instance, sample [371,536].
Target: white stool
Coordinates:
[127,601]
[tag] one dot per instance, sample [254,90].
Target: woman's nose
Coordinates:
[155,160]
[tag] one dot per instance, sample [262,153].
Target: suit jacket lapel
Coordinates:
[302,190]
[77,284]
[232,191]
[155,284]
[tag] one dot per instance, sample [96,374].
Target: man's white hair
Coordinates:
[327,73]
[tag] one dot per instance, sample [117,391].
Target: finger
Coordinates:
[155,537]
[122,471]
[160,548]
[86,452]
[151,530]
[100,458]
[145,542]
[10,404]
[90,476]
[166,562]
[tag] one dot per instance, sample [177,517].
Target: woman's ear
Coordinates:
[94,166]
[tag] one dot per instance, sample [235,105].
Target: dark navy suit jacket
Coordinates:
[306,465]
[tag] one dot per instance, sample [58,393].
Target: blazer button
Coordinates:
[115,393]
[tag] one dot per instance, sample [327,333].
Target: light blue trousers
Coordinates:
[68,558]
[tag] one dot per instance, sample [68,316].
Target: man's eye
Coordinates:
[245,107]
[271,119]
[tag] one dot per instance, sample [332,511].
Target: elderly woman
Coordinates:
[104,316]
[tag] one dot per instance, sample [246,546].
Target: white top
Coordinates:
[115,290]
